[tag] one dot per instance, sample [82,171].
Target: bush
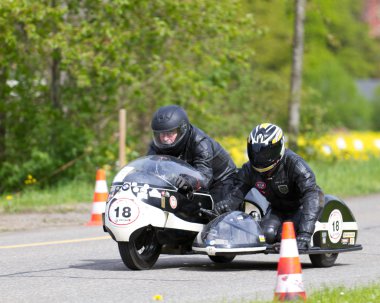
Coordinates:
[337,94]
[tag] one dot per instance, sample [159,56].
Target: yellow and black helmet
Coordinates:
[265,147]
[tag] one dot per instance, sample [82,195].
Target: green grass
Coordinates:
[41,199]
[362,294]
[342,179]
[348,178]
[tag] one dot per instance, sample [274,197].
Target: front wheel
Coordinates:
[142,250]
[323,260]
[222,259]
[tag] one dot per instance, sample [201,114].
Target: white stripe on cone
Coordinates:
[288,248]
[101,186]
[289,283]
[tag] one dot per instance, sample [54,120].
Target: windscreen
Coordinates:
[156,170]
[235,229]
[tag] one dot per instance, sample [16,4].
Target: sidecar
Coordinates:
[235,233]
[147,216]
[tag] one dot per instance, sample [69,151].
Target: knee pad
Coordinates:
[270,234]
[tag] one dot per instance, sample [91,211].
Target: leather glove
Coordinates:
[184,187]
[223,206]
[183,184]
[303,241]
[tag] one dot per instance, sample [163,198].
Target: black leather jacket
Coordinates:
[291,187]
[207,156]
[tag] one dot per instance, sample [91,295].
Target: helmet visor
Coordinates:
[168,138]
[266,157]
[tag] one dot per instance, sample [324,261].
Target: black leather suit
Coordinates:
[291,191]
[210,159]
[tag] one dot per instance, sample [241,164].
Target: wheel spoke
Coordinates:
[141,250]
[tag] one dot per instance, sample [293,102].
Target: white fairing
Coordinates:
[125,213]
[137,215]
[175,222]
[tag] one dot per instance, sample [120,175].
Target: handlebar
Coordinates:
[209,213]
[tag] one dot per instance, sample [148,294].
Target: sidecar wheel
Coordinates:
[142,250]
[323,260]
[222,259]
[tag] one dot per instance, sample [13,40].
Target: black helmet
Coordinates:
[170,121]
[265,147]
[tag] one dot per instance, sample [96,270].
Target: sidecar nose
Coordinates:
[231,233]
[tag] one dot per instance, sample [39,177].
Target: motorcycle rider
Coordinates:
[174,135]
[286,181]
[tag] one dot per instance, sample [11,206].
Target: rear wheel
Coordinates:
[323,260]
[142,250]
[222,259]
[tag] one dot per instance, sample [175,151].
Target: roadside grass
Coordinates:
[348,178]
[35,199]
[359,294]
[362,294]
[340,178]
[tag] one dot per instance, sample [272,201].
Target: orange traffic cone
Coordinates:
[100,198]
[289,273]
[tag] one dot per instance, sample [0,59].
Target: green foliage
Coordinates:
[136,55]
[338,27]
[376,109]
[333,59]
[335,93]
[67,67]
[256,100]
[337,50]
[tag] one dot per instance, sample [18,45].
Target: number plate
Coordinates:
[335,225]
[123,211]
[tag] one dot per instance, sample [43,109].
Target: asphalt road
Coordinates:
[81,264]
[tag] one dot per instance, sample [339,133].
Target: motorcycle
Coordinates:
[147,216]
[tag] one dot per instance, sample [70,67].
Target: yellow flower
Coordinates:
[346,145]
[158,298]
[30,180]
[8,197]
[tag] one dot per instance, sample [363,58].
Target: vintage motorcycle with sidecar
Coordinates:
[147,216]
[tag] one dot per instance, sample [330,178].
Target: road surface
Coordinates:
[82,264]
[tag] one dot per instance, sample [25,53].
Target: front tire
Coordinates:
[222,259]
[323,260]
[142,250]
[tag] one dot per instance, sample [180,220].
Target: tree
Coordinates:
[77,62]
[296,78]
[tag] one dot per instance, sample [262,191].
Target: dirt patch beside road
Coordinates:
[61,215]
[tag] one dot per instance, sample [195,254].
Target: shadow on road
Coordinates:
[186,264]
